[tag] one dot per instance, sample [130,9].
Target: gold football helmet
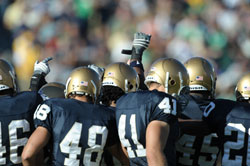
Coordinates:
[201,74]
[121,75]
[83,81]
[52,90]
[242,90]
[168,72]
[7,76]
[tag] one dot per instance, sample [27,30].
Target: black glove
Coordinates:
[140,43]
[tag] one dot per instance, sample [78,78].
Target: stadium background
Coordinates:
[79,32]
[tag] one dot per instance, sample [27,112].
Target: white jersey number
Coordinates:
[185,146]
[15,143]
[166,106]
[70,144]
[140,151]
[232,148]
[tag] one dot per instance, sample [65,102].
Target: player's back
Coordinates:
[16,125]
[196,150]
[231,121]
[134,111]
[79,130]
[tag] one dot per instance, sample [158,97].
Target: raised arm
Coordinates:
[140,43]
[41,69]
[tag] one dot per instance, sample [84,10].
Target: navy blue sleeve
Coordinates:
[165,109]
[43,116]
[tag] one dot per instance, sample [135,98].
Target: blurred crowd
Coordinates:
[81,32]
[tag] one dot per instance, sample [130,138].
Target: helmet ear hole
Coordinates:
[172,82]
[131,86]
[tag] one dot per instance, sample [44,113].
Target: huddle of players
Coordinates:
[139,125]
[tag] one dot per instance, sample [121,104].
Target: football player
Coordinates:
[16,120]
[120,78]
[78,129]
[198,150]
[147,122]
[231,121]
[242,90]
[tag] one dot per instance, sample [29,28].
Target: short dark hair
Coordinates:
[89,98]
[109,94]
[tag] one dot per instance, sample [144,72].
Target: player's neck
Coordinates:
[82,98]
[113,104]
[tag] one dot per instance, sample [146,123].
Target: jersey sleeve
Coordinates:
[165,109]
[43,116]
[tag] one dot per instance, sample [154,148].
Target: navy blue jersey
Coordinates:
[196,150]
[79,130]
[231,121]
[134,111]
[16,125]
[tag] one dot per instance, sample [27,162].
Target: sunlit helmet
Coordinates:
[83,81]
[121,75]
[242,90]
[202,75]
[170,73]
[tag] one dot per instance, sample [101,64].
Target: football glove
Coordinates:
[42,67]
[140,43]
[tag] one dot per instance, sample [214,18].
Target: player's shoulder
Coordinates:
[58,101]
[220,107]
[104,111]
[225,104]
[101,107]
[224,101]
[144,96]
[27,95]
[78,107]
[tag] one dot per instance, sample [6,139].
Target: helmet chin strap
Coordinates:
[166,82]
